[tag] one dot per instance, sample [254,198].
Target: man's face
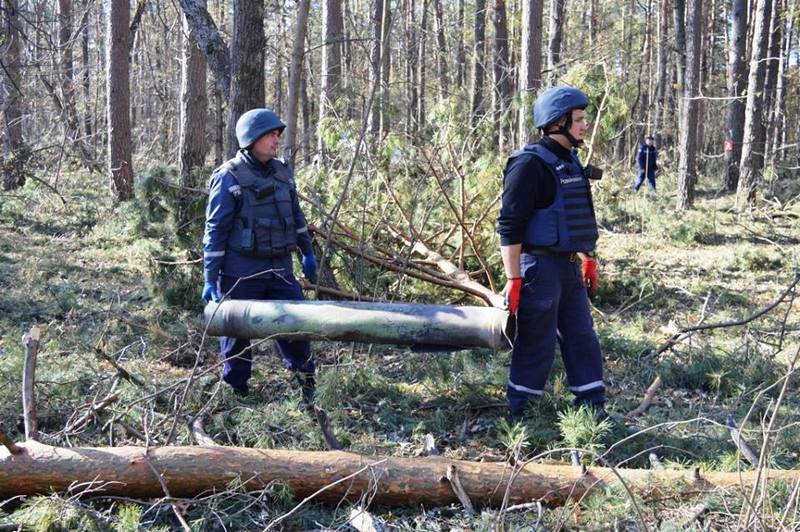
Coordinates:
[580,124]
[266,147]
[649,141]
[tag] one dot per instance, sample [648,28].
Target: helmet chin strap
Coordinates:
[564,130]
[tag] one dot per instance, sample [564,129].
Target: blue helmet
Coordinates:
[255,123]
[555,102]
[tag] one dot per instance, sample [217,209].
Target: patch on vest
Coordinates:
[571,180]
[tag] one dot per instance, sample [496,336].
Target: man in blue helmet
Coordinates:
[253,226]
[548,234]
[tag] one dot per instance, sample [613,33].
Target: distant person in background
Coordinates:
[646,161]
[254,224]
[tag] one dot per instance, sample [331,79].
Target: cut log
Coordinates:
[189,471]
[380,323]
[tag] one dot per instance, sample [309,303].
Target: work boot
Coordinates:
[307,387]
[241,391]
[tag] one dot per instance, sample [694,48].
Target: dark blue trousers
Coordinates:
[236,351]
[651,180]
[554,306]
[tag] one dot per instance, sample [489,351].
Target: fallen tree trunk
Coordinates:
[189,471]
[380,323]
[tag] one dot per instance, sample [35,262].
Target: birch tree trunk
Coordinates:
[118,101]
[737,83]
[192,145]
[752,160]
[687,171]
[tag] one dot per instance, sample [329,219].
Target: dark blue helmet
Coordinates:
[255,123]
[554,103]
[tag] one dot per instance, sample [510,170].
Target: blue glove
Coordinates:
[310,267]
[210,292]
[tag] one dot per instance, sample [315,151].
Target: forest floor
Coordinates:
[83,270]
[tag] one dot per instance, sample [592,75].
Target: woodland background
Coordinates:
[401,116]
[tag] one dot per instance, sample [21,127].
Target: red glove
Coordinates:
[512,290]
[589,273]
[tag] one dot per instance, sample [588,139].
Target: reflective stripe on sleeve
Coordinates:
[303,229]
[214,253]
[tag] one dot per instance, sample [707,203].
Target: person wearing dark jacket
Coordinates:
[646,161]
[254,224]
[548,234]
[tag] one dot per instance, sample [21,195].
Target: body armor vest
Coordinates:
[264,223]
[569,224]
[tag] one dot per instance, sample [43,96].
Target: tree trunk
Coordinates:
[441,52]
[247,65]
[12,103]
[779,118]
[530,63]
[771,77]
[386,66]
[211,42]
[331,68]
[752,160]
[86,59]
[376,11]
[461,54]
[478,56]
[295,73]
[679,8]
[378,323]
[661,77]
[65,48]
[687,171]
[393,481]
[119,96]
[192,146]
[737,83]
[555,33]
[501,70]
[423,40]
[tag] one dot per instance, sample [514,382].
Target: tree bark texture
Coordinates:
[247,64]
[771,77]
[331,68]
[422,44]
[192,146]
[65,47]
[12,102]
[381,323]
[679,11]
[295,75]
[189,471]
[210,42]
[737,83]
[478,57]
[501,71]
[441,50]
[555,35]
[661,69]
[376,10]
[119,100]
[687,171]
[752,160]
[530,63]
